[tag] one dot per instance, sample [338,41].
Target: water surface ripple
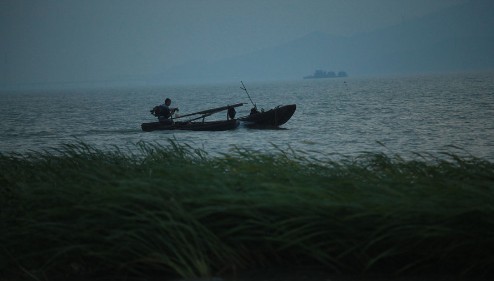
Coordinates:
[403,115]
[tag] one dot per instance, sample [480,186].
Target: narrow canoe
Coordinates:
[192,126]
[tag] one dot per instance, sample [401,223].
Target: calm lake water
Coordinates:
[401,115]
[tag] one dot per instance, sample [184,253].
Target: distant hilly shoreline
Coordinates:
[458,39]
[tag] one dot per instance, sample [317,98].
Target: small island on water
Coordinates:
[326,74]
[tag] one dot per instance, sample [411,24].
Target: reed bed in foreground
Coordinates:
[80,213]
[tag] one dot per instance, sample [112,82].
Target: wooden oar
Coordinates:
[211,111]
[197,118]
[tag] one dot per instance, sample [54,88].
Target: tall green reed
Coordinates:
[174,211]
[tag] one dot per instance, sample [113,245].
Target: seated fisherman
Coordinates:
[164,111]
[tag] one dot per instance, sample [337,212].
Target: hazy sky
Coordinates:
[93,40]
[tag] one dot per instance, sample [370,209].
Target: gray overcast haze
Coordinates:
[177,41]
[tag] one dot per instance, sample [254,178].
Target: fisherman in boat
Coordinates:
[231,112]
[164,112]
[254,110]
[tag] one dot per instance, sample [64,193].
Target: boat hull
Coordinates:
[271,118]
[192,126]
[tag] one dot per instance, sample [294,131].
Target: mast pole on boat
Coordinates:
[245,89]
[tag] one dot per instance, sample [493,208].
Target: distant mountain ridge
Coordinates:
[460,38]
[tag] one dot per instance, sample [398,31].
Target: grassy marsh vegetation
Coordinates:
[80,213]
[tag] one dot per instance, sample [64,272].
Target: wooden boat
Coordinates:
[271,118]
[222,125]
[267,119]
[193,125]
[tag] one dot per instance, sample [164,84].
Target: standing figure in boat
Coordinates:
[164,112]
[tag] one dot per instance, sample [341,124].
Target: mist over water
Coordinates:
[400,115]
[129,43]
